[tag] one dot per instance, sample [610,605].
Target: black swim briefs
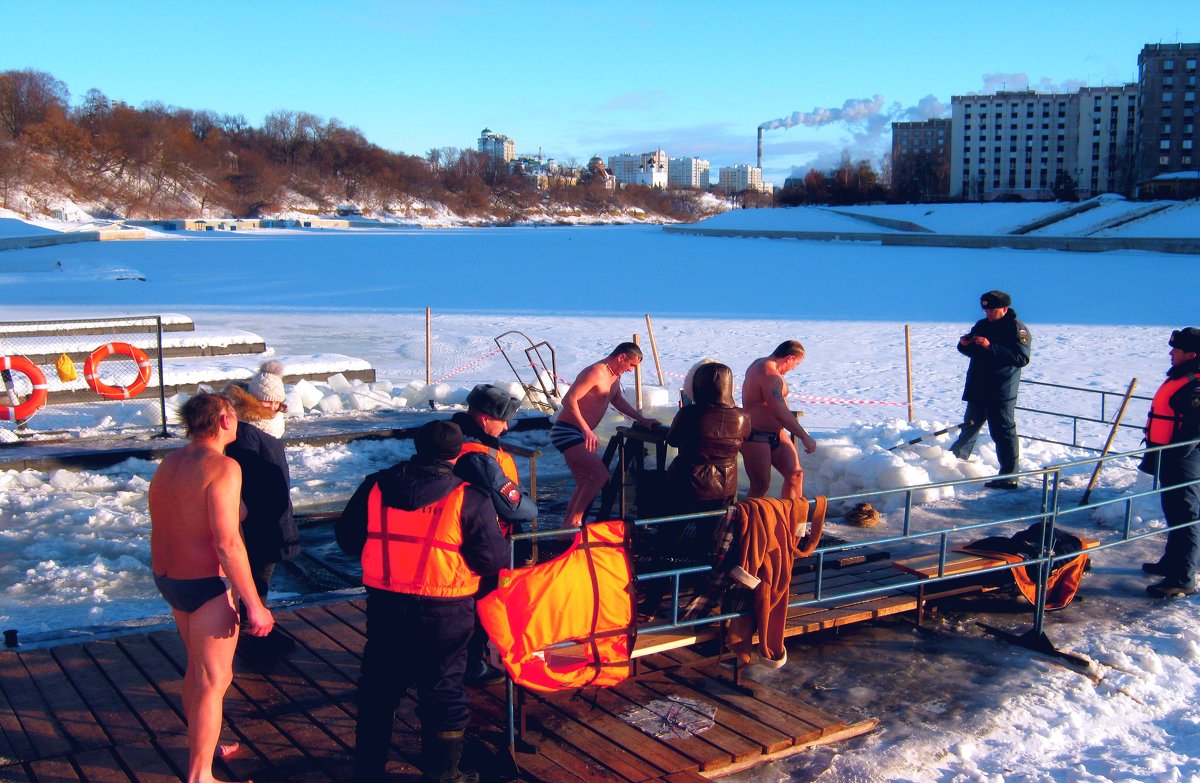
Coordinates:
[769,437]
[188,595]
[565,436]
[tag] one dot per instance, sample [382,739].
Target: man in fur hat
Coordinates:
[269,530]
[998,346]
[1175,418]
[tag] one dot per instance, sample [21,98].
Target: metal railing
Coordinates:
[1050,514]
[1108,403]
[44,343]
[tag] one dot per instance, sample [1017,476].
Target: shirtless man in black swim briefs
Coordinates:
[584,406]
[195,541]
[764,397]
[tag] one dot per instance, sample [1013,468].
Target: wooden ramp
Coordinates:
[109,710]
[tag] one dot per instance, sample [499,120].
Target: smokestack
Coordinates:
[760,148]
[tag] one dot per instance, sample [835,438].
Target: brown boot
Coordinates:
[441,753]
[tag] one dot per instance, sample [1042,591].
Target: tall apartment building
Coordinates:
[1012,143]
[688,173]
[1104,157]
[741,177]
[921,159]
[1166,123]
[647,168]
[497,145]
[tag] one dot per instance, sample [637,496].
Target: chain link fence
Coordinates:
[79,361]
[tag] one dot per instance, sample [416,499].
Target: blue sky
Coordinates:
[575,79]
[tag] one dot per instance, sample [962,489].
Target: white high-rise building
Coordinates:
[1105,156]
[647,168]
[497,145]
[741,177]
[688,173]
[1012,143]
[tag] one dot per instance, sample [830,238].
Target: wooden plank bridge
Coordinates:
[110,710]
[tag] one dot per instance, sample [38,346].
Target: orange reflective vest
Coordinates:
[507,466]
[417,552]
[500,455]
[584,596]
[1163,421]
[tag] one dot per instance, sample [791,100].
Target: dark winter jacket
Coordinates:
[418,483]
[995,371]
[511,504]
[709,433]
[269,530]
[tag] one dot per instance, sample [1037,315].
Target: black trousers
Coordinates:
[1001,419]
[1182,555]
[411,640]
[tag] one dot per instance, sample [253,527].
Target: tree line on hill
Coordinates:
[160,161]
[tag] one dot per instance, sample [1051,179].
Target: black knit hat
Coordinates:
[439,440]
[1186,339]
[493,401]
[994,299]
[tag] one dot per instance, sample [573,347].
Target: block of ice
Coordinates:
[295,405]
[339,383]
[309,395]
[331,403]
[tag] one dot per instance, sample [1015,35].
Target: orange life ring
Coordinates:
[117,392]
[35,400]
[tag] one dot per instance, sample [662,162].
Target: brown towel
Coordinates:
[768,537]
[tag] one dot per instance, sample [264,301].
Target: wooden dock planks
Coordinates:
[109,711]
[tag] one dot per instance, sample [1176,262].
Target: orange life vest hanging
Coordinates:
[1163,422]
[417,552]
[584,595]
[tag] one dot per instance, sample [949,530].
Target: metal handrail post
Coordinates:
[162,381]
[1050,487]
[907,513]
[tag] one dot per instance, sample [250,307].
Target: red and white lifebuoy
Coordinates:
[117,392]
[36,377]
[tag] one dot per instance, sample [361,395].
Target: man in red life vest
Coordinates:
[425,538]
[1175,418]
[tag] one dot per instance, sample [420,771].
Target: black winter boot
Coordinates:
[441,753]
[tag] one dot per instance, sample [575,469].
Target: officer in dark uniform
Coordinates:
[485,463]
[998,346]
[425,538]
[1175,418]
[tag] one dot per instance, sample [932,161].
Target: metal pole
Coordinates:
[908,367]
[428,348]
[654,350]
[637,381]
[162,381]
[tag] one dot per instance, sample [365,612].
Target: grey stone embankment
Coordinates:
[1182,245]
[68,238]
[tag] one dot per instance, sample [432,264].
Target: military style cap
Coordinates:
[994,299]
[1186,339]
[493,401]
